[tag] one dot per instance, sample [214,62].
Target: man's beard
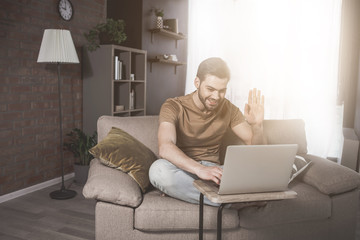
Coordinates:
[203,101]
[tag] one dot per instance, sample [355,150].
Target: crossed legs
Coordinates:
[176,182]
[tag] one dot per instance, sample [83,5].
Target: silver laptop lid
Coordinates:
[257,168]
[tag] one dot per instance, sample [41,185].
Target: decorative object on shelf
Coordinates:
[58,47]
[159,13]
[119,108]
[132,77]
[110,32]
[132,99]
[171,25]
[79,143]
[163,56]
[173,57]
[66,9]
[169,57]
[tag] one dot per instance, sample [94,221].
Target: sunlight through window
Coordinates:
[287,48]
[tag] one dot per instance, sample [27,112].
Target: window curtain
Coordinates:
[289,49]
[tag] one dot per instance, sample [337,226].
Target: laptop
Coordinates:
[257,168]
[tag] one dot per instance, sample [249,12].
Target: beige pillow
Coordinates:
[122,151]
[300,164]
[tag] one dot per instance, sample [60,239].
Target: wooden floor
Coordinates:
[37,216]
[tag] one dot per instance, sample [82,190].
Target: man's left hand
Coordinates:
[254,109]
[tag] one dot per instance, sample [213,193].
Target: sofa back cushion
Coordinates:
[143,128]
[289,131]
[276,132]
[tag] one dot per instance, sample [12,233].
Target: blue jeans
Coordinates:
[176,182]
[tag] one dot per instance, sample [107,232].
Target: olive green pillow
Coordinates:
[122,151]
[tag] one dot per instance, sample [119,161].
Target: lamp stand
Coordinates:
[63,193]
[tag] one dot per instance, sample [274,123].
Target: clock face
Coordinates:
[66,9]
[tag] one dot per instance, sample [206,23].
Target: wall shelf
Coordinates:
[166,33]
[174,63]
[133,112]
[129,81]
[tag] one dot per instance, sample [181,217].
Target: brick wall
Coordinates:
[29,122]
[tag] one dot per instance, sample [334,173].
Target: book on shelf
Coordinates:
[118,69]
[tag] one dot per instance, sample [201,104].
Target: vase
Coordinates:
[159,22]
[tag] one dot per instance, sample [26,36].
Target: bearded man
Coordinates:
[191,128]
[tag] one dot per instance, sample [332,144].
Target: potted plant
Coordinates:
[79,144]
[112,31]
[159,13]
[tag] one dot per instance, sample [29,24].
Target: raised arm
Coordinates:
[251,131]
[169,151]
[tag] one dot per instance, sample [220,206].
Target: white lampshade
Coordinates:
[57,46]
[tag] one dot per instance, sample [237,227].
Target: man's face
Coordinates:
[211,91]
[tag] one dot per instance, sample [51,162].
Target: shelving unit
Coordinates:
[102,92]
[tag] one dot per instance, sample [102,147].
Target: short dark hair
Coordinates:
[213,66]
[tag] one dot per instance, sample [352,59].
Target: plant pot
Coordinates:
[105,38]
[81,173]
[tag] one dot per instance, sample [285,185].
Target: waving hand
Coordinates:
[254,109]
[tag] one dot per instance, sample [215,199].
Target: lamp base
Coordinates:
[62,194]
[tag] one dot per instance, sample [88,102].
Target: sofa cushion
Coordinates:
[335,180]
[309,205]
[122,151]
[110,185]
[163,213]
[291,131]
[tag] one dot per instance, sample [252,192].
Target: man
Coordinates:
[191,128]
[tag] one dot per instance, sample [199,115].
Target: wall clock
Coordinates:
[66,9]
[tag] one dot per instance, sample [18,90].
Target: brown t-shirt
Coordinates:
[199,134]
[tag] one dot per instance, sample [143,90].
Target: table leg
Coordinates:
[201,217]
[219,221]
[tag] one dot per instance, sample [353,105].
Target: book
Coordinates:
[118,69]
[116,65]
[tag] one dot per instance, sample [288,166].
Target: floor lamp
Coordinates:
[57,47]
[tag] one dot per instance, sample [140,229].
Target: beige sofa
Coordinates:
[325,208]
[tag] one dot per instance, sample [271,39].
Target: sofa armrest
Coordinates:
[111,185]
[328,177]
